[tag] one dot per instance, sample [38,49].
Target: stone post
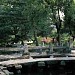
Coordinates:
[40,49]
[25,47]
[51,48]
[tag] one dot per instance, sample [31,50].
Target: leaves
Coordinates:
[25,18]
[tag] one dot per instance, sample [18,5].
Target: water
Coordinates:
[53,69]
[50,72]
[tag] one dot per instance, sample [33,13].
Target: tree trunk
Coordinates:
[35,39]
[58,26]
[73,37]
[22,43]
[58,37]
[57,23]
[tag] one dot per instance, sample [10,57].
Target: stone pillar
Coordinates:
[51,48]
[25,48]
[40,49]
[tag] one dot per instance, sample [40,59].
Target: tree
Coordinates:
[38,19]
[58,8]
[12,17]
[24,18]
[70,18]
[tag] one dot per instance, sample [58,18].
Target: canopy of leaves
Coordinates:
[20,19]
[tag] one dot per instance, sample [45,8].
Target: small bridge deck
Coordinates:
[31,60]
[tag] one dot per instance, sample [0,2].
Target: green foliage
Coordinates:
[70,18]
[26,19]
